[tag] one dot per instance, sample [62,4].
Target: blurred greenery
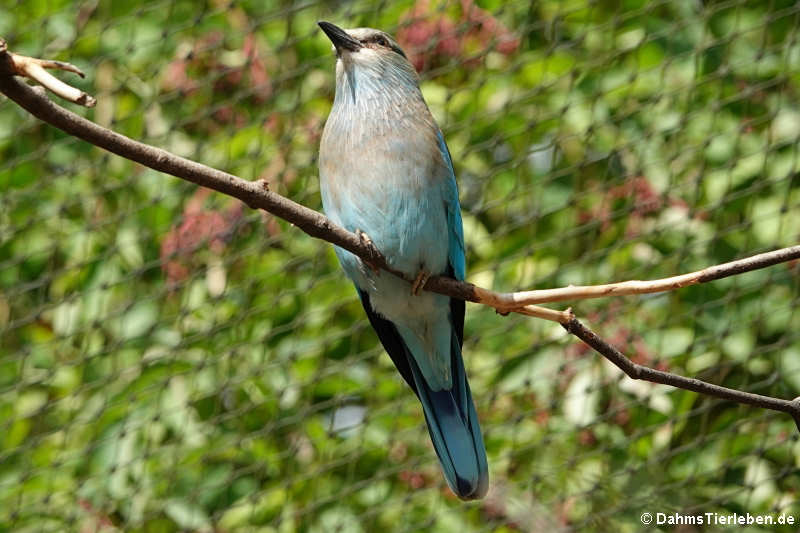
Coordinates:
[171,361]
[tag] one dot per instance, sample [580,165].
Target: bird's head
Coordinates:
[369,53]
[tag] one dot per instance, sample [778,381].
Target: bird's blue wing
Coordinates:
[455,248]
[455,239]
[434,404]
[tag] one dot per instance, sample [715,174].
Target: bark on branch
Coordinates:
[258,196]
[637,371]
[512,300]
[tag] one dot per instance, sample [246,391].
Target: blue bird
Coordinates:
[386,173]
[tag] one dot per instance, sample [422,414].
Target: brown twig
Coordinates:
[258,196]
[637,371]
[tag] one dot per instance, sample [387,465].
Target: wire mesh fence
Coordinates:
[173,361]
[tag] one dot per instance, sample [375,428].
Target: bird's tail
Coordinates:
[453,426]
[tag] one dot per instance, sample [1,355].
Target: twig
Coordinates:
[33,68]
[637,371]
[512,300]
[258,196]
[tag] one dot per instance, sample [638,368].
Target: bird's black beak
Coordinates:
[340,39]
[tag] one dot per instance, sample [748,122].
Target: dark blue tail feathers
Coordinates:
[454,430]
[450,414]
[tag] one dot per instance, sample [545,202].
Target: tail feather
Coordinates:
[454,430]
[450,413]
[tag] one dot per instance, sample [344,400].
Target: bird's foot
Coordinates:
[419,282]
[366,241]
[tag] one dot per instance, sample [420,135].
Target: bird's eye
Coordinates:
[381,41]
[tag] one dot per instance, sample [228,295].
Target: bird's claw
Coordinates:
[366,241]
[419,282]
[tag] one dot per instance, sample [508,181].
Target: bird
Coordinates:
[386,174]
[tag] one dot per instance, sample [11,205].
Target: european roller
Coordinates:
[386,174]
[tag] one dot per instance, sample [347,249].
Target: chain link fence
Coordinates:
[173,361]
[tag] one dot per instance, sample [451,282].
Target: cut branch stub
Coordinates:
[35,69]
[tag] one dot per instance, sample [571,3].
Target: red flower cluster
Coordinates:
[431,38]
[199,228]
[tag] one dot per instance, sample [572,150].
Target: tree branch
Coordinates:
[255,194]
[637,371]
[258,196]
[512,300]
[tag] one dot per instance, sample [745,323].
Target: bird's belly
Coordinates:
[391,298]
[404,218]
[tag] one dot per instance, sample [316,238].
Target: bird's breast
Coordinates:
[386,178]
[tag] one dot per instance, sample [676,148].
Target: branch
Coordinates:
[512,300]
[255,194]
[258,196]
[637,371]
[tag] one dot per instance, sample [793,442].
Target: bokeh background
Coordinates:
[171,360]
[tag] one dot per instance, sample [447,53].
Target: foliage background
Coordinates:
[172,361]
